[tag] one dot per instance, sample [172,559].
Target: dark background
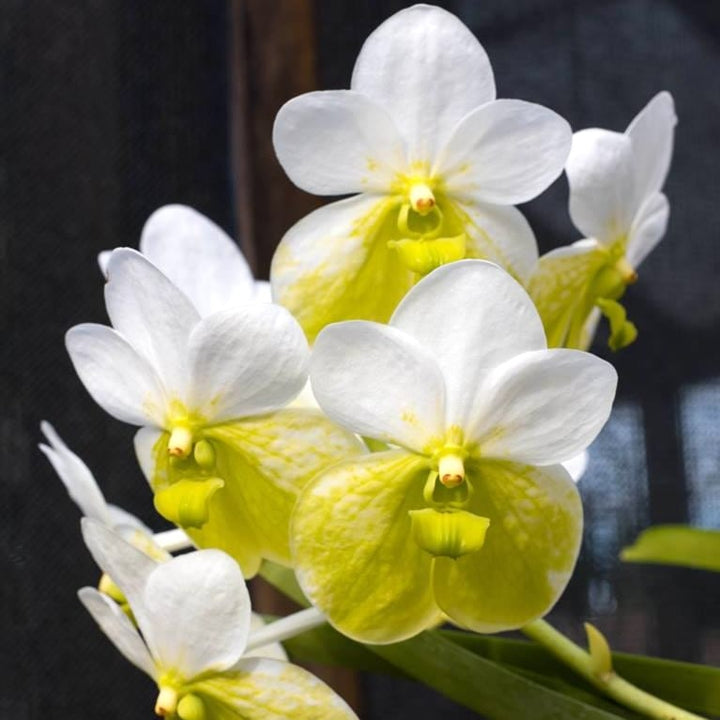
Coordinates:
[111,109]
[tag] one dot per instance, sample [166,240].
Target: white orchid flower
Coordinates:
[225,461]
[87,495]
[199,258]
[193,616]
[471,517]
[616,202]
[435,164]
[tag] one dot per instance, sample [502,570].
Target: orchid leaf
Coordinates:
[676,545]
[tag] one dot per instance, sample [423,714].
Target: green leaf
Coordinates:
[695,687]
[676,545]
[482,685]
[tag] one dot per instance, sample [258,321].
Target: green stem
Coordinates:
[608,683]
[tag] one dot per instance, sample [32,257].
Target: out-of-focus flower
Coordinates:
[193,617]
[616,202]
[471,517]
[437,161]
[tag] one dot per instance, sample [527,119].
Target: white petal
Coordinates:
[648,228]
[337,142]
[472,316]
[128,567]
[504,152]
[124,522]
[339,253]
[153,314]
[273,650]
[75,475]
[122,382]
[652,134]
[428,70]
[103,259]
[543,407]
[602,184]
[198,257]
[198,610]
[246,362]
[116,625]
[144,442]
[500,234]
[262,292]
[377,381]
[577,465]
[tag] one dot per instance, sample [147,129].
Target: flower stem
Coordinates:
[172,540]
[606,682]
[286,628]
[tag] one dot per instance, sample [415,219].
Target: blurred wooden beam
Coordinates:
[273,59]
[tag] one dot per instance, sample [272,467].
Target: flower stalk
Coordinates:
[602,676]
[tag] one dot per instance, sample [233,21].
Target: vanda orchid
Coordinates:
[220,451]
[616,202]
[194,616]
[435,164]
[475,402]
[471,516]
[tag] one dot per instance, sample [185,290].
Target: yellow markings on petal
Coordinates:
[622,331]
[534,533]
[354,552]
[342,274]
[264,463]
[269,690]
[424,256]
[559,288]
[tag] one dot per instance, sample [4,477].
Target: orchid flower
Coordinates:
[199,258]
[435,164]
[616,202]
[86,494]
[471,517]
[224,459]
[193,617]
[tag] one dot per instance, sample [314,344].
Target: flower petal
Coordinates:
[122,382]
[543,407]
[529,552]
[648,228]
[354,553]
[497,233]
[75,476]
[116,625]
[144,443]
[154,315]
[128,567]
[198,609]
[577,466]
[265,462]
[339,253]
[559,285]
[379,382]
[472,316]
[652,135]
[246,361]
[337,142]
[267,689]
[428,70]
[504,152]
[198,257]
[602,185]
